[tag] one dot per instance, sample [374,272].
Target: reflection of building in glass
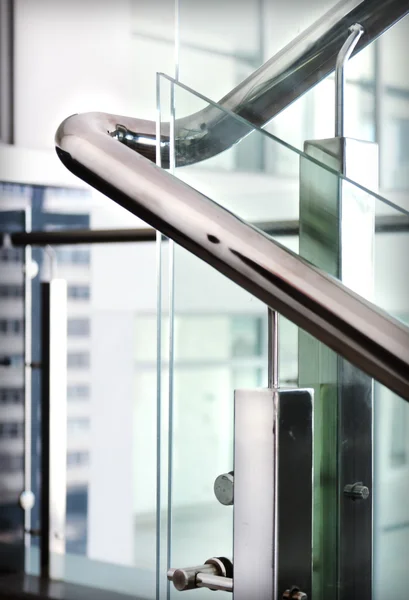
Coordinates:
[73,264]
[11,386]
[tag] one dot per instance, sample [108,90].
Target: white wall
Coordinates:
[70,57]
[110,503]
[284,21]
[74,56]
[32,166]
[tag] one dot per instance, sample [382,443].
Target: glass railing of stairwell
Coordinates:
[219,343]
[189,217]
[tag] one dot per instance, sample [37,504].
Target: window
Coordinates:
[78,360]
[11,430]
[77,459]
[78,327]
[11,463]
[79,292]
[11,291]
[11,255]
[246,336]
[78,392]
[11,326]
[11,395]
[399,448]
[403,142]
[78,424]
[11,360]
[73,256]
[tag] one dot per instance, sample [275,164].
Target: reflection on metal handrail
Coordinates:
[303,63]
[351,326]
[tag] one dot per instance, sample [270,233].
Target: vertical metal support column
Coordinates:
[53,427]
[295,491]
[28,494]
[273,364]
[273,469]
[337,227]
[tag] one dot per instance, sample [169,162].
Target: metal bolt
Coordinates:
[356,491]
[224,488]
[186,578]
[294,594]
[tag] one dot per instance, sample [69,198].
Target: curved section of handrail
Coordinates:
[353,327]
[285,77]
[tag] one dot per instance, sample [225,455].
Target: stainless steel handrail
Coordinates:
[285,77]
[350,325]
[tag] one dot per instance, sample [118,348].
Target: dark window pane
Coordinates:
[11,255]
[73,256]
[78,392]
[11,291]
[11,360]
[78,360]
[76,459]
[11,396]
[78,327]
[10,463]
[11,430]
[78,292]
[11,326]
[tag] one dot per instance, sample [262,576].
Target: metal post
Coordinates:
[53,426]
[273,384]
[273,367]
[337,227]
[356,32]
[27,390]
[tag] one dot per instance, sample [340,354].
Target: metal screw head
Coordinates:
[356,491]
[224,489]
[183,580]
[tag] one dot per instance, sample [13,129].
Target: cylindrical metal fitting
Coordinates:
[224,488]
[185,579]
[214,582]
